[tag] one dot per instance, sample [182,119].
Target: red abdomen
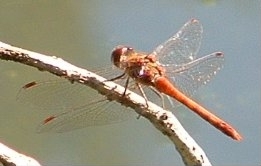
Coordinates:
[163,85]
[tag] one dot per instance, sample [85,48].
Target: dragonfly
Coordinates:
[171,69]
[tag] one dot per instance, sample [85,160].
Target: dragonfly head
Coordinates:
[119,56]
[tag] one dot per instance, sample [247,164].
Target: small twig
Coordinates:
[9,157]
[162,119]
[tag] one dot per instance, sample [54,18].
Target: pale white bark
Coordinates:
[9,157]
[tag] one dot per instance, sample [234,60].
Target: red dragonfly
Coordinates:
[171,69]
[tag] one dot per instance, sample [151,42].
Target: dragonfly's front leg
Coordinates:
[119,77]
[116,78]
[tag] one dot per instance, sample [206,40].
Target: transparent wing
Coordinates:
[183,46]
[92,114]
[190,76]
[70,106]
[178,56]
[51,95]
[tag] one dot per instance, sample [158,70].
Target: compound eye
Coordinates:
[117,53]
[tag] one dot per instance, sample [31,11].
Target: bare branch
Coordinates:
[9,157]
[162,119]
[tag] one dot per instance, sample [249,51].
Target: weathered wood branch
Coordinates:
[162,119]
[9,157]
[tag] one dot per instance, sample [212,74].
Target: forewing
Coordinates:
[183,46]
[52,94]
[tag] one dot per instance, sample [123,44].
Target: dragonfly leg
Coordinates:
[126,86]
[143,94]
[160,96]
[116,78]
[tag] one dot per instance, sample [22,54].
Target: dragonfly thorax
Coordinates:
[142,67]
